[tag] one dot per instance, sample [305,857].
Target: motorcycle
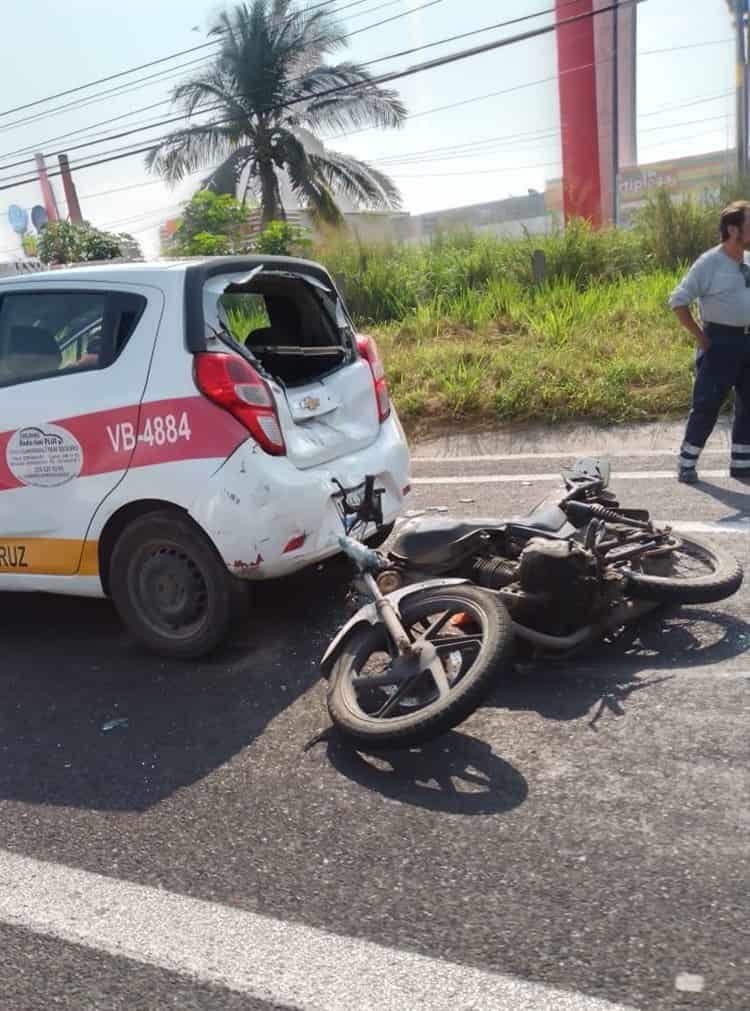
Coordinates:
[454,601]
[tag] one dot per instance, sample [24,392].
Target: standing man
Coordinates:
[720,281]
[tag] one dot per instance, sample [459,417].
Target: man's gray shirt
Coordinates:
[717,282]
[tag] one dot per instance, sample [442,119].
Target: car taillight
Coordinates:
[369,351]
[232,383]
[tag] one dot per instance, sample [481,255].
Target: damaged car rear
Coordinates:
[275,347]
[170,431]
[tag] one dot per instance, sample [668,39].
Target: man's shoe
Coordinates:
[687,475]
[740,473]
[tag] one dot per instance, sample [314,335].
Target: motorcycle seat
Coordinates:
[438,541]
[443,541]
[547,518]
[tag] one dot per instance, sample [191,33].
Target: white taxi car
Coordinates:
[171,430]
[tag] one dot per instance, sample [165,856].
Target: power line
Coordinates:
[477,148]
[468,150]
[42,145]
[159,78]
[690,122]
[146,66]
[164,75]
[176,71]
[129,88]
[451,153]
[481,172]
[692,45]
[385,78]
[678,140]
[134,219]
[180,116]
[406,52]
[686,105]
[121,189]
[104,80]
[429,45]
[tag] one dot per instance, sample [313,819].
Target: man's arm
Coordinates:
[692,286]
[685,316]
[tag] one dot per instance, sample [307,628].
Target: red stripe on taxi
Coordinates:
[161,431]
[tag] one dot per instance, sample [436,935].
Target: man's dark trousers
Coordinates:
[724,366]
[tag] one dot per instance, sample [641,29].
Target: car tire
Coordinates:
[171,588]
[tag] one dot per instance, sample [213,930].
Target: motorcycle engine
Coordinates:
[564,573]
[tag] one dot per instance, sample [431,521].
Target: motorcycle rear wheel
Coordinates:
[473,635]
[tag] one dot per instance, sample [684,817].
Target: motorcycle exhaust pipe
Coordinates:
[561,642]
[623,614]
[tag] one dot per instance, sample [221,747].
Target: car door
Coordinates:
[74,360]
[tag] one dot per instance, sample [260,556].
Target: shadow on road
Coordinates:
[738,500]
[455,774]
[69,669]
[602,680]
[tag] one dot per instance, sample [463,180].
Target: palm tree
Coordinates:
[269,91]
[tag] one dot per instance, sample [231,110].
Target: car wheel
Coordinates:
[171,588]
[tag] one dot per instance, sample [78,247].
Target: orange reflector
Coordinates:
[295,543]
[462,620]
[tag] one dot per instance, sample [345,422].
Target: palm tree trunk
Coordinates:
[270,196]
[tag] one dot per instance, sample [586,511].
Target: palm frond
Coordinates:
[185,151]
[362,183]
[364,107]
[210,88]
[226,176]
[309,183]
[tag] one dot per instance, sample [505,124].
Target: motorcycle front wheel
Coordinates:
[378,708]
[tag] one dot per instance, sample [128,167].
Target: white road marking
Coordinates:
[631,475]
[565,454]
[271,960]
[707,527]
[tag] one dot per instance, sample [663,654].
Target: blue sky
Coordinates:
[685,104]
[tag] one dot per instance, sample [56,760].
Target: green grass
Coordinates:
[610,353]
[389,282]
[466,334]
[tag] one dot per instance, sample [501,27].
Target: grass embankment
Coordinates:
[466,334]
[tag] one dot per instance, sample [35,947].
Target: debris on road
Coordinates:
[111,724]
[467,501]
[687,982]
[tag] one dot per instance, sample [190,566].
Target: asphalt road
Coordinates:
[587,830]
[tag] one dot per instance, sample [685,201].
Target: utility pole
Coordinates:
[739,11]
[48,194]
[71,197]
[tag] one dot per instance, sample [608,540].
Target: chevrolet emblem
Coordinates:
[309,404]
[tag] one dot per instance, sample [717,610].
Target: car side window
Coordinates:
[50,333]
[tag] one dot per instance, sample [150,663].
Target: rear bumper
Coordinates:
[255,506]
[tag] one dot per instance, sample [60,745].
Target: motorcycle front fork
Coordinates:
[388,615]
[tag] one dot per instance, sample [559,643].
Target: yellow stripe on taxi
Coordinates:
[49,556]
